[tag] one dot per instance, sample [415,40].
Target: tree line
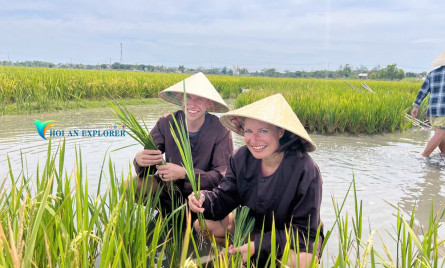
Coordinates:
[390,72]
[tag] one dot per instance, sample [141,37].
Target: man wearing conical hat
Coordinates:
[211,143]
[434,85]
[274,176]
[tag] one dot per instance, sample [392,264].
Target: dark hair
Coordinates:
[292,142]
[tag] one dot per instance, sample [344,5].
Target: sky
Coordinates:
[253,34]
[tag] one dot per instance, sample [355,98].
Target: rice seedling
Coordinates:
[138,133]
[181,137]
[183,143]
[53,221]
[244,224]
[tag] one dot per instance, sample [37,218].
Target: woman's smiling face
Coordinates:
[261,138]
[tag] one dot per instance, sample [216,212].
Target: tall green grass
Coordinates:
[139,133]
[52,220]
[332,107]
[323,106]
[37,89]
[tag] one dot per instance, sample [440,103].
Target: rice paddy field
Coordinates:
[323,106]
[54,220]
[50,217]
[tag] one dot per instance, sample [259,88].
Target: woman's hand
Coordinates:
[171,172]
[195,204]
[145,158]
[243,250]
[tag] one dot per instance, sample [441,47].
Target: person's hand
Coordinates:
[243,250]
[195,204]
[414,111]
[171,172]
[145,158]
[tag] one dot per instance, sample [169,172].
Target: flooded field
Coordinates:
[388,169]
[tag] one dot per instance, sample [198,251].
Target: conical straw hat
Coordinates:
[439,61]
[198,85]
[273,110]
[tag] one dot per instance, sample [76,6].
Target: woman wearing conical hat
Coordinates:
[274,176]
[211,143]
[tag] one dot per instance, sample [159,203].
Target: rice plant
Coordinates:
[138,133]
[51,219]
[183,143]
[244,224]
[323,105]
[181,137]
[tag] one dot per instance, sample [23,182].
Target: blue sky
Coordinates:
[286,35]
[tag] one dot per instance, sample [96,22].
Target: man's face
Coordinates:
[196,107]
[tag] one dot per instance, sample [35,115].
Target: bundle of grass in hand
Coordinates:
[139,133]
[182,141]
[244,225]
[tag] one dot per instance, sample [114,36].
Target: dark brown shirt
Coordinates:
[211,150]
[292,194]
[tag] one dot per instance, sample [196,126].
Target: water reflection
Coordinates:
[426,192]
[19,136]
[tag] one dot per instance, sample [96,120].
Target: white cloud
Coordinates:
[226,32]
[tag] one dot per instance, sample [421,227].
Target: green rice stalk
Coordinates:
[139,133]
[248,252]
[244,225]
[286,251]
[195,248]
[273,241]
[175,238]
[183,143]
[357,223]
[423,255]
[186,239]
[315,246]
[261,242]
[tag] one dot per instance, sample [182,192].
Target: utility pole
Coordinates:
[121,52]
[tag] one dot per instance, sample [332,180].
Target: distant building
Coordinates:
[363,76]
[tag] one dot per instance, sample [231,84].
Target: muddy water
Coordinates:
[387,168]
